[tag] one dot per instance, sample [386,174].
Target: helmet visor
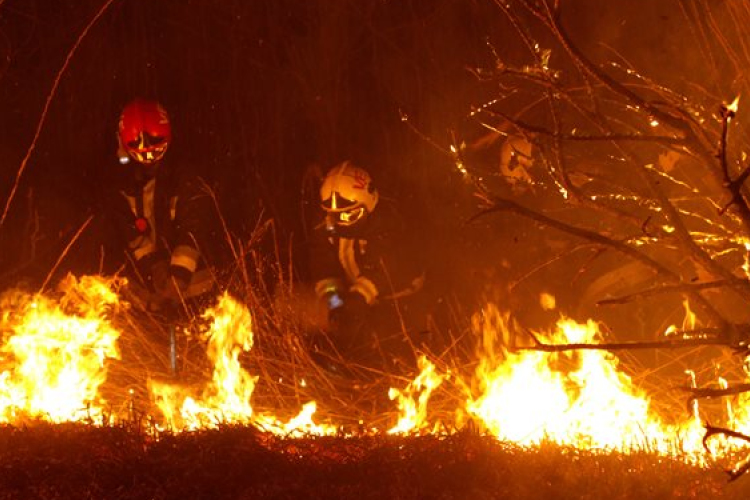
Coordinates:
[348,217]
[337,203]
[343,212]
[147,148]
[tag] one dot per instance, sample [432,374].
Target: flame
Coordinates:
[54,351]
[300,425]
[226,399]
[689,322]
[414,412]
[578,398]
[734,106]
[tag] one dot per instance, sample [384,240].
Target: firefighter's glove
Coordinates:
[175,289]
[159,275]
[345,310]
[335,307]
[169,287]
[334,301]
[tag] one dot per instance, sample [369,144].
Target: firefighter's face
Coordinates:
[147,149]
[343,212]
[348,217]
[345,224]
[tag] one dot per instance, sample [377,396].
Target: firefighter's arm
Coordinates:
[192,211]
[365,288]
[331,291]
[335,293]
[325,269]
[343,305]
[167,281]
[398,272]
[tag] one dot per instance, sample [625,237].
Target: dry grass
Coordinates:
[74,461]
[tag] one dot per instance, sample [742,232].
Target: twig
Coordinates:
[734,186]
[497,204]
[678,343]
[522,125]
[663,289]
[744,466]
[65,252]
[47,104]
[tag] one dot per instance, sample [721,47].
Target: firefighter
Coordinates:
[159,211]
[364,267]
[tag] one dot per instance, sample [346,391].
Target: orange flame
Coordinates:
[54,353]
[734,106]
[226,399]
[576,398]
[414,412]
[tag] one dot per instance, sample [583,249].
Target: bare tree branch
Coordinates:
[505,205]
[744,465]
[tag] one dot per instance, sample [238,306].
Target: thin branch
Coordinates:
[47,104]
[744,466]
[522,125]
[708,393]
[681,288]
[552,21]
[678,343]
[500,205]
[65,252]
[734,186]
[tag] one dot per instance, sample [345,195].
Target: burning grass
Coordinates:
[252,415]
[47,461]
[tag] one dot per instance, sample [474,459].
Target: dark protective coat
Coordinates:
[383,262]
[375,258]
[168,218]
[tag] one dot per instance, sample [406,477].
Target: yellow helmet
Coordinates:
[348,194]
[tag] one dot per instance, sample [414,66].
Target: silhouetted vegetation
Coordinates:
[74,461]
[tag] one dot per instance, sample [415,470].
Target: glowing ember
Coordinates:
[54,352]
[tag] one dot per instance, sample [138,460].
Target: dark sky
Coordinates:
[259,90]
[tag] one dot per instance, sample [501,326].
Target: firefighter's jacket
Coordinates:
[163,218]
[376,260]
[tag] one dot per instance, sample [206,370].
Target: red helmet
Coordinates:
[144,130]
